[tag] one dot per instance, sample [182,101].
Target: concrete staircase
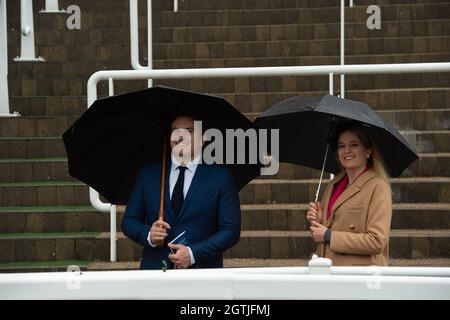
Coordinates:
[46,222]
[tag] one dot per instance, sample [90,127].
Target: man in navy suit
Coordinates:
[200,199]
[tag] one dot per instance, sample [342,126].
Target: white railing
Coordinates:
[27,50]
[4,97]
[134,38]
[286,283]
[325,70]
[52,6]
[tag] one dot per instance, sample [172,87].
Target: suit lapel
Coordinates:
[168,209]
[199,175]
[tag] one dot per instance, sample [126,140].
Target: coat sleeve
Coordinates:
[228,228]
[133,222]
[378,224]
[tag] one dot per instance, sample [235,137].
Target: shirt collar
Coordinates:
[191,165]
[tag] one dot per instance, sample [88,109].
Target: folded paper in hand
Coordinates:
[181,239]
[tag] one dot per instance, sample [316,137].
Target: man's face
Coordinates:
[182,139]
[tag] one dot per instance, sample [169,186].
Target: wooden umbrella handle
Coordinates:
[160,243]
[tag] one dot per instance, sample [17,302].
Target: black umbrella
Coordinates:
[307,125]
[117,135]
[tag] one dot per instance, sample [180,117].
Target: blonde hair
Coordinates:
[375,161]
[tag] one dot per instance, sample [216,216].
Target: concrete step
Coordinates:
[266,95]
[48,106]
[404,190]
[43,147]
[265,4]
[292,217]
[294,48]
[44,194]
[252,95]
[35,126]
[73,104]
[427,120]
[317,83]
[299,31]
[300,60]
[281,217]
[428,165]
[56,169]
[410,244]
[53,126]
[239,16]
[87,246]
[243,263]
[259,191]
[62,266]
[23,170]
[55,219]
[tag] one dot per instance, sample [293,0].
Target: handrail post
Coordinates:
[94,196]
[330,84]
[134,35]
[113,235]
[175,5]
[4,97]
[27,51]
[150,39]
[51,6]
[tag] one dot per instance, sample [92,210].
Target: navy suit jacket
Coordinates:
[210,215]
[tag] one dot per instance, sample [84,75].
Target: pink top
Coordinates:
[338,189]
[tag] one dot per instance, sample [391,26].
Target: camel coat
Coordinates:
[360,222]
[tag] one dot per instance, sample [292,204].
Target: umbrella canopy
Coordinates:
[117,135]
[307,126]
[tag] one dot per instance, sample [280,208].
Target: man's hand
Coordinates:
[317,231]
[181,258]
[158,232]
[314,213]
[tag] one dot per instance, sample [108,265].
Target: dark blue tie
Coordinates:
[177,195]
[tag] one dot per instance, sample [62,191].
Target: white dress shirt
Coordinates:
[191,167]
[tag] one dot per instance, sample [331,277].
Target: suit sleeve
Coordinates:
[133,222]
[229,224]
[378,224]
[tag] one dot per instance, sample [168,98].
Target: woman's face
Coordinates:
[351,153]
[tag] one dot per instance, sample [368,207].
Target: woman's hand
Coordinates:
[314,213]
[318,231]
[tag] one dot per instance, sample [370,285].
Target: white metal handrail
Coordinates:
[134,35]
[326,70]
[4,97]
[134,38]
[27,50]
[51,6]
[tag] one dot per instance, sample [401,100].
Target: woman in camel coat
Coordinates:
[351,226]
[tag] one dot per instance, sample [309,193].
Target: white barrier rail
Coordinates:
[327,70]
[289,283]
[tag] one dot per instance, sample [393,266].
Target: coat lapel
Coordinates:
[353,189]
[199,175]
